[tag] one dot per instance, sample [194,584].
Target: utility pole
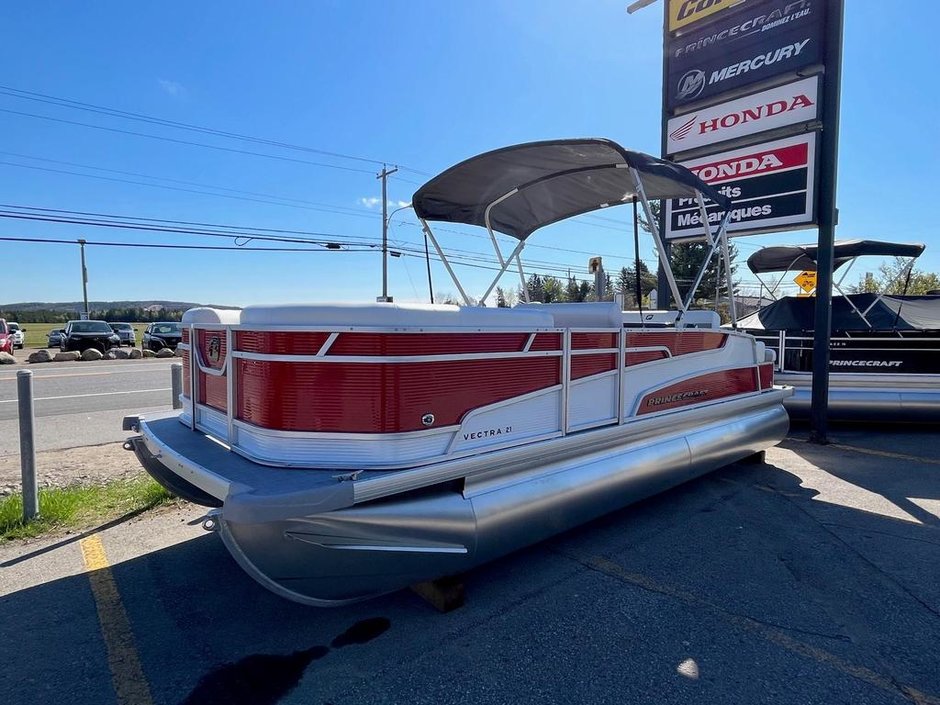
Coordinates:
[383,175]
[81,244]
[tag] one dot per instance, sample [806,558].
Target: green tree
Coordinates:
[687,259]
[892,280]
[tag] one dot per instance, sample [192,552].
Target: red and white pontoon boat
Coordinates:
[351,450]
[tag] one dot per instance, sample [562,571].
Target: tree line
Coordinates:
[125,315]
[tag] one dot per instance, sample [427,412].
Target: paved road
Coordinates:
[82,403]
[810,579]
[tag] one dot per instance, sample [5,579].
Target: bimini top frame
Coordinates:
[517,190]
[796,258]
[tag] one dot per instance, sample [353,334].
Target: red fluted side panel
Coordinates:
[186,374]
[708,387]
[587,365]
[212,352]
[294,343]
[394,344]
[678,342]
[380,398]
[546,341]
[212,391]
[592,341]
[185,336]
[766,375]
[638,358]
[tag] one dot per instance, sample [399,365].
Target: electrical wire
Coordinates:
[58,101]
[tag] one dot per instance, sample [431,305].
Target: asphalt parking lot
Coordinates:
[812,578]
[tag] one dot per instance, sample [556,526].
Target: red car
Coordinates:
[6,337]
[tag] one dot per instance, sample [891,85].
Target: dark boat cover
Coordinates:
[890,313]
[555,180]
[797,258]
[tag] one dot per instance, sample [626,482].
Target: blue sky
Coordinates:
[418,84]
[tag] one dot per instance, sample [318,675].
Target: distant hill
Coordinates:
[73,306]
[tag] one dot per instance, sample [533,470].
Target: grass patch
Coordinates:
[80,507]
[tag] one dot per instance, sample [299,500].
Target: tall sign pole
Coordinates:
[828,217]
[383,175]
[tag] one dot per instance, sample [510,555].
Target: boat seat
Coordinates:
[390,315]
[584,314]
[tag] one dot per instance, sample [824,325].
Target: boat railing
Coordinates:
[791,348]
[586,388]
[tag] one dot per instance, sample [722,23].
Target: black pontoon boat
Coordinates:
[884,355]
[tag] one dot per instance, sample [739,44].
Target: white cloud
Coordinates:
[372,201]
[171,87]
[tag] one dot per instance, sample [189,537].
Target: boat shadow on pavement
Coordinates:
[811,578]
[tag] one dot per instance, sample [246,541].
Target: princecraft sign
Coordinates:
[763,39]
[771,184]
[778,107]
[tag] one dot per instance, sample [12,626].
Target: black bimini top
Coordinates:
[551,181]
[796,258]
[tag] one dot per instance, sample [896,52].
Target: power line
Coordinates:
[140,117]
[324,206]
[186,142]
[154,245]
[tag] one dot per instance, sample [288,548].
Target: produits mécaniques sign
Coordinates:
[686,12]
[771,184]
[785,105]
[762,39]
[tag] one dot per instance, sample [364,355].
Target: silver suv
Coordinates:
[125,332]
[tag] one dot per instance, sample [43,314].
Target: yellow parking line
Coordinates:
[127,674]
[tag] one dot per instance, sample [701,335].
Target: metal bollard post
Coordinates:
[176,385]
[24,394]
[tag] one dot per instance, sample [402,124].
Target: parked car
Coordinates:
[55,337]
[6,337]
[166,334]
[81,335]
[17,334]
[125,332]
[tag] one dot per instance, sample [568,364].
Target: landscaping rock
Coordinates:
[70,356]
[92,354]
[149,353]
[7,359]
[39,356]
[165,352]
[135,354]
[120,354]
[179,352]
[110,355]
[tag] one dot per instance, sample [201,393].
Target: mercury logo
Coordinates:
[690,85]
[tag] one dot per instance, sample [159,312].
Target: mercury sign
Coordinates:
[762,40]
[778,107]
[771,185]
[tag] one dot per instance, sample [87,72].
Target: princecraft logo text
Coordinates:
[672,398]
[865,363]
[754,23]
